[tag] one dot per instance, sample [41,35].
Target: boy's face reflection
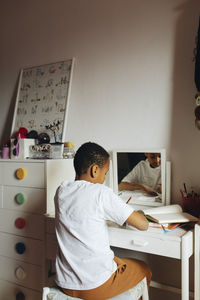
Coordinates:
[154,159]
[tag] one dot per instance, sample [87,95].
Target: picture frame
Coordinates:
[43,99]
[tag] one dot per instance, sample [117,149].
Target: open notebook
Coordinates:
[168,214]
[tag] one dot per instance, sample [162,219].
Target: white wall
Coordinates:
[133,80]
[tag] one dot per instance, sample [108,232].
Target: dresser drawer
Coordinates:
[50,224]
[9,291]
[24,199]
[144,242]
[23,174]
[1,172]
[23,224]
[1,196]
[51,246]
[21,273]
[24,249]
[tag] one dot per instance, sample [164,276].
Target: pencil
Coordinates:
[185,188]
[128,200]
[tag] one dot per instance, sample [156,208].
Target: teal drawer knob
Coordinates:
[20,296]
[20,198]
[20,248]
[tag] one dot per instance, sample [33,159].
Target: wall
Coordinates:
[133,82]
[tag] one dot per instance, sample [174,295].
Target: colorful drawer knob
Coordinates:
[20,273]
[20,223]
[21,173]
[20,248]
[20,198]
[20,296]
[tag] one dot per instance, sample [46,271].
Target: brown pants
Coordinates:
[128,274]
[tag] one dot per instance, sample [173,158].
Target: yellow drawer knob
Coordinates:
[21,173]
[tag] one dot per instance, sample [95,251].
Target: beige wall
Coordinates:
[133,81]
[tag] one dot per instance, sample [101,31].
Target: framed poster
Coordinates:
[43,99]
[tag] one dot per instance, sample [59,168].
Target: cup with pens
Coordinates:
[190,202]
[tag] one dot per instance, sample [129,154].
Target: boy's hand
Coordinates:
[141,212]
[159,187]
[149,191]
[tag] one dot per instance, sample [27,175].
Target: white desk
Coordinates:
[176,244]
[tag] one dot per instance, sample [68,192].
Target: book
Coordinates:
[168,214]
[158,228]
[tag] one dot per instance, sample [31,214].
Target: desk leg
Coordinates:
[186,252]
[196,262]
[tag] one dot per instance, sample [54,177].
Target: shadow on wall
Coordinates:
[8,124]
[185,138]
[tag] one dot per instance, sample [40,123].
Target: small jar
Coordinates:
[6,152]
[68,151]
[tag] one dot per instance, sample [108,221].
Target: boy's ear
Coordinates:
[94,170]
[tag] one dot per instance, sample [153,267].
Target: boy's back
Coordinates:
[82,209]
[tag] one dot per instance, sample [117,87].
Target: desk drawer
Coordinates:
[21,273]
[24,249]
[31,174]
[23,224]
[129,239]
[24,199]
[9,291]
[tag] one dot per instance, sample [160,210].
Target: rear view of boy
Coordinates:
[85,265]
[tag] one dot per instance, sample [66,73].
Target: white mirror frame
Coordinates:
[165,174]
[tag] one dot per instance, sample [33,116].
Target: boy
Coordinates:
[85,264]
[145,176]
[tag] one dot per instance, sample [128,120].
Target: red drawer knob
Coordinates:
[20,223]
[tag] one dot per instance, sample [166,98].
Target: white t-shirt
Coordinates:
[143,173]
[84,258]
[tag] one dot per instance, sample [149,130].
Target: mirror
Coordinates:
[139,176]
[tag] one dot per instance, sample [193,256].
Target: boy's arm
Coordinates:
[138,220]
[135,186]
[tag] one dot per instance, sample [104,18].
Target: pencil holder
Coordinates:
[191,204]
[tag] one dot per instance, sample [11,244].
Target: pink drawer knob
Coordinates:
[20,223]
[20,273]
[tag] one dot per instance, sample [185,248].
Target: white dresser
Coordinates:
[27,189]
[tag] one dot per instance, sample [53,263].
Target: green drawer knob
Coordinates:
[20,198]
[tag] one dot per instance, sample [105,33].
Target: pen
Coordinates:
[185,188]
[128,200]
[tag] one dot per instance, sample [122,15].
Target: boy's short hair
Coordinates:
[87,155]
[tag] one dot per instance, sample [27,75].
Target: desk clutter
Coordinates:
[31,145]
[190,201]
[167,218]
